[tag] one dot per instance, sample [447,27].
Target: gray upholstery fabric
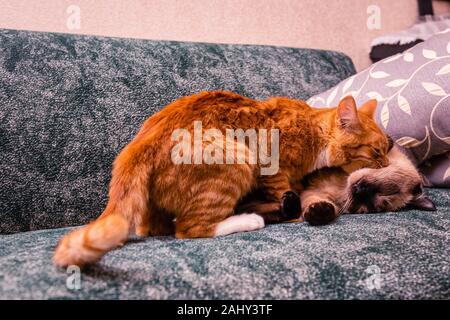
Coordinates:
[404,255]
[69,104]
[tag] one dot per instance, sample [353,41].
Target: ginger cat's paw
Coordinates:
[290,205]
[320,213]
[143,230]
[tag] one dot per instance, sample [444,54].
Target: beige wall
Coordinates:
[327,24]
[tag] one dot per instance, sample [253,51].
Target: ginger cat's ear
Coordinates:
[347,114]
[369,108]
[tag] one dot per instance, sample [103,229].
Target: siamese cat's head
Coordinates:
[392,188]
[356,140]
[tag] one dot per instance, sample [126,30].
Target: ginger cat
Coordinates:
[330,192]
[151,195]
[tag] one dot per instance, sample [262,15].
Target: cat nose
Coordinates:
[363,191]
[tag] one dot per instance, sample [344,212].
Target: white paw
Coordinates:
[239,223]
[253,222]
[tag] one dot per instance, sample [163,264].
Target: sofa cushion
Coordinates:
[403,255]
[70,103]
[436,171]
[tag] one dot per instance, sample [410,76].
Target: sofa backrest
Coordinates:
[70,103]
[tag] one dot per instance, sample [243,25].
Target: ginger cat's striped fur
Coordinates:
[151,195]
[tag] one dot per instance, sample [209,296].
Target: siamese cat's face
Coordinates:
[392,188]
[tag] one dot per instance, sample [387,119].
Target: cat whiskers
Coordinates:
[346,205]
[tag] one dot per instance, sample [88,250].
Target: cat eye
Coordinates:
[390,143]
[377,152]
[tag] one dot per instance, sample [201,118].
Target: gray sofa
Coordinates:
[68,104]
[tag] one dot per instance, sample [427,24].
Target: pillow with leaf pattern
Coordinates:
[413,93]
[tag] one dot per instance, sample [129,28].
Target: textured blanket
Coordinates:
[403,255]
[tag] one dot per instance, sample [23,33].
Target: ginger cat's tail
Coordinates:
[127,208]
[91,242]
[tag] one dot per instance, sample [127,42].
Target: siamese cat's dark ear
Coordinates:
[423,203]
[347,114]
[369,108]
